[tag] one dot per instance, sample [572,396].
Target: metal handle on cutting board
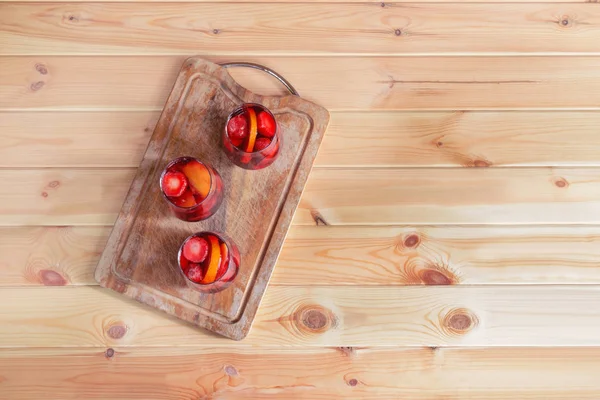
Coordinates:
[264,69]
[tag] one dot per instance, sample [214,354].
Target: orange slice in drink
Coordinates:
[198,177]
[224,260]
[253,130]
[215,260]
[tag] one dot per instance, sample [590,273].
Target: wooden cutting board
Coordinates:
[140,258]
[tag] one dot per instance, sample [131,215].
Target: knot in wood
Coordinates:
[418,270]
[41,68]
[434,277]
[481,164]
[561,182]
[109,353]
[51,278]
[231,371]
[313,319]
[347,351]
[117,331]
[459,321]
[398,32]
[70,18]
[35,86]
[412,240]
[565,21]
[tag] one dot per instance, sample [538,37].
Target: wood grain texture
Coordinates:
[305,372]
[50,256]
[75,139]
[256,213]
[250,29]
[62,196]
[377,83]
[368,139]
[450,196]
[320,315]
[458,255]
[336,196]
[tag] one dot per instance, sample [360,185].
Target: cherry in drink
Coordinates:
[208,261]
[251,138]
[194,190]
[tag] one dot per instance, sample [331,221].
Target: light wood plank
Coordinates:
[62,196]
[337,83]
[317,315]
[52,256]
[305,372]
[401,139]
[275,28]
[456,255]
[450,196]
[345,255]
[357,196]
[75,139]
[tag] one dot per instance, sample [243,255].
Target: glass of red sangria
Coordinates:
[251,138]
[209,261]
[193,189]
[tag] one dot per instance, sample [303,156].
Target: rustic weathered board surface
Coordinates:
[140,259]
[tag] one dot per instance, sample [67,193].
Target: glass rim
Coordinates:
[196,234]
[208,167]
[241,107]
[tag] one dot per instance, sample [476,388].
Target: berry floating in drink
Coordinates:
[251,137]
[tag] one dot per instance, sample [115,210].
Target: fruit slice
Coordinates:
[174,183]
[195,249]
[198,177]
[195,273]
[237,128]
[214,262]
[224,261]
[266,124]
[253,130]
[185,200]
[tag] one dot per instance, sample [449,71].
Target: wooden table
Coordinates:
[447,245]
